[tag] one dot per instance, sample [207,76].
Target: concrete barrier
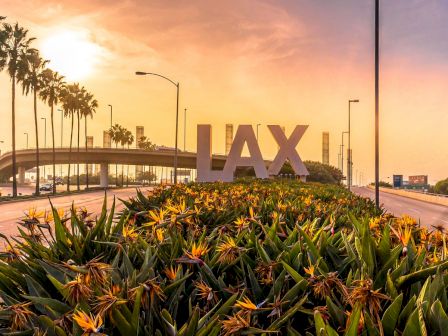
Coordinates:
[430,198]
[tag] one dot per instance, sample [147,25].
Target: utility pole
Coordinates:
[185,127]
[377,95]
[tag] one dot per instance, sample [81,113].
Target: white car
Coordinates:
[46,187]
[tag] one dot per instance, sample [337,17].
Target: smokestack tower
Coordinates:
[326,148]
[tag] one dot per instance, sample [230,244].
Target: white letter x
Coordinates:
[287,150]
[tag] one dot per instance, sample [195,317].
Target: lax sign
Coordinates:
[245,135]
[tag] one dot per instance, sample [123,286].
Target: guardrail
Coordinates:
[421,196]
[424,192]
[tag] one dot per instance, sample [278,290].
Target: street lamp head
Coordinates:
[140,73]
[354,101]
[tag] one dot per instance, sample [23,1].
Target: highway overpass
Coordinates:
[26,159]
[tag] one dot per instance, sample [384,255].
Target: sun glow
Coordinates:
[71,53]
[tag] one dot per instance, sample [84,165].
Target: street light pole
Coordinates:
[62,135]
[257,130]
[342,153]
[377,94]
[349,156]
[110,115]
[45,138]
[26,139]
[141,73]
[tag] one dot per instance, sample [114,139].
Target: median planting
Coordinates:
[243,258]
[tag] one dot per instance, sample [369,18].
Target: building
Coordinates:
[106,140]
[398,181]
[139,134]
[420,180]
[326,148]
[229,137]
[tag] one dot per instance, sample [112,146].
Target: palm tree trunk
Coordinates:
[77,164]
[14,168]
[116,170]
[87,165]
[122,173]
[37,144]
[70,152]
[54,153]
[127,174]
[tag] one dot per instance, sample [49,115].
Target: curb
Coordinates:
[46,196]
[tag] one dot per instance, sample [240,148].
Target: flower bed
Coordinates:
[226,259]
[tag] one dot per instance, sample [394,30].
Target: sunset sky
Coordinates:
[249,62]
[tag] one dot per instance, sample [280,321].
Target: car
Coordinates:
[46,187]
[59,181]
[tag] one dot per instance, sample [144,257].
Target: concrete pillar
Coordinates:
[21,175]
[104,175]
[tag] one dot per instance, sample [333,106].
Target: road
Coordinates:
[429,214]
[30,189]
[10,213]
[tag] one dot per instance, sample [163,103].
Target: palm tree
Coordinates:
[89,106]
[29,74]
[126,139]
[146,144]
[50,93]
[3,54]
[69,106]
[116,133]
[79,102]
[15,44]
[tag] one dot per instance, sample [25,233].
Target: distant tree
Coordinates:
[383,184]
[441,187]
[116,134]
[146,144]
[127,138]
[146,177]
[319,172]
[70,103]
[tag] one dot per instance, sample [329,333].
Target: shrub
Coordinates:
[244,258]
[441,187]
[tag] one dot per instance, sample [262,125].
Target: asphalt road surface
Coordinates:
[427,213]
[30,189]
[10,213]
